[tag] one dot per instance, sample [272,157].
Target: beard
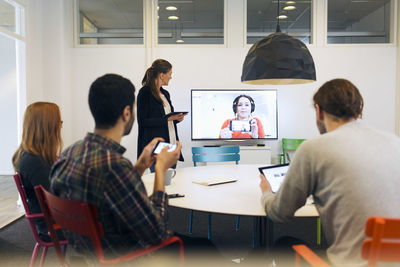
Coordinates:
[321,127]
[128,126]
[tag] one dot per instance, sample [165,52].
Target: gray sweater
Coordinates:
[353,173]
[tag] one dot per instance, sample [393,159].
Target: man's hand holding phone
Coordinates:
[147,157]
[164,161]
[167,156]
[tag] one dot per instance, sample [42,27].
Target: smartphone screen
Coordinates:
[160,146]
[240,126]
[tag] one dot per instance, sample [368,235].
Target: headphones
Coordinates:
[235,102]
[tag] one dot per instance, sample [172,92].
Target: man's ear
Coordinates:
[126,114]
[319,113]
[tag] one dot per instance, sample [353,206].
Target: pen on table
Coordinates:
[175,195]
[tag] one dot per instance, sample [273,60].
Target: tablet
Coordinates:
[175,113]
[275,175]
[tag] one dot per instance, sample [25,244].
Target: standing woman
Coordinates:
[41,144]
[153,102]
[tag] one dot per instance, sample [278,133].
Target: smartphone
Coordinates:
[240,126]
[160,146]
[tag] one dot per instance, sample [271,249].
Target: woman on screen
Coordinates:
[153,103]
[244,125]
[41,144]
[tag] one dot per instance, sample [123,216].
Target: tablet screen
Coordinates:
[275,175]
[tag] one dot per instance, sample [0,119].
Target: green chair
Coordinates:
[290,145]
[214,154]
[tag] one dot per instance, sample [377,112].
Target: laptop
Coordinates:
[275,175]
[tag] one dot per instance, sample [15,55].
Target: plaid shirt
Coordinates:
[93,170]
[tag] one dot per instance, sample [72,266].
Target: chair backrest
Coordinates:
[384,244]
[289,145]
[75,216]
[215,154]
[28,214]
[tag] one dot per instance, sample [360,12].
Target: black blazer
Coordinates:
[150,114]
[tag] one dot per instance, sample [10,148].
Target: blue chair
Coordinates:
[214,154]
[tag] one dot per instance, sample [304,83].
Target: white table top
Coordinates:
[238,198]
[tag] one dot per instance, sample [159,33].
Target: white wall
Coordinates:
[64,73]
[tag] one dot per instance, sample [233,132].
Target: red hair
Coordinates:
[41,133]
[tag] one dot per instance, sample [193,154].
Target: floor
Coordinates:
[8,198]
[16,241]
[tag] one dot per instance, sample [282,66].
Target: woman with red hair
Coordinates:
[40,146]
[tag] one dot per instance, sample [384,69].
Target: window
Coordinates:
[11,17]
[190,21]
[12,80]
[295,19]
[359,21]
[110,21]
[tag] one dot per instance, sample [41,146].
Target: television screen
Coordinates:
[234,114]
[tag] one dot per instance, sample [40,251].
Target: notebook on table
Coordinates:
[214,180]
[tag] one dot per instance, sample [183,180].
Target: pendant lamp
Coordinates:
[278,59]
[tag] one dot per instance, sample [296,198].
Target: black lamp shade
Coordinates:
[278,59]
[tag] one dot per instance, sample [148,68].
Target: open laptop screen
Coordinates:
[275,175]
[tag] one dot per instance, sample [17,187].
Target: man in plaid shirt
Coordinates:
[94,170]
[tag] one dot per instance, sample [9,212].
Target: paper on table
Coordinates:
[214,180]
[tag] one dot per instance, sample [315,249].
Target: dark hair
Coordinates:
[234,106]
[158,66]
[340,98]
[108,96]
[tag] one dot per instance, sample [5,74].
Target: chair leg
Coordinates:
[209,226]
[190,221]
[42,258]
[318,231]
[64,250]
[34,255]
[253,236]
[237,223]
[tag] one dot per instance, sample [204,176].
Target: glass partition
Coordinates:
[359,22]
[110,22]
[190,21]
[294,19]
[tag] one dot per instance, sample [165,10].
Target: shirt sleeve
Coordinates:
[260,129]
[127,198]
[224,125]
[295,189]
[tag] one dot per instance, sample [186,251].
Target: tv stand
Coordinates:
[255,155]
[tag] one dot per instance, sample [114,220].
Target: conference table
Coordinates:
[237,198]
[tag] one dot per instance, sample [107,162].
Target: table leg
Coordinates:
[264,229]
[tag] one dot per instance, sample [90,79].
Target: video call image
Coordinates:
[234,114]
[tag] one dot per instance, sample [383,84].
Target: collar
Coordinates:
[106,142]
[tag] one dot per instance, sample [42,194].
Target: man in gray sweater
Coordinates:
[351,171]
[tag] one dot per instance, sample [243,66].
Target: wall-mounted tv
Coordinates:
[240,114]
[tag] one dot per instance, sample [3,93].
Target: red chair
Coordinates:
[31,217]
[81,218]
[384,245]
